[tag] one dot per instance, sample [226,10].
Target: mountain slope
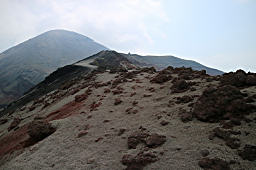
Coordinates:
[162,62]
[25,65]
[141,119]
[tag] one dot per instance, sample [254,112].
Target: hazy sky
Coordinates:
[217,33]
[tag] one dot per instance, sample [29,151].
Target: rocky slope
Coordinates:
[133,118]
[27,64]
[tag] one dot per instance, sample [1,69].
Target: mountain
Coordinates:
[162,62]
[106,112]
[25,65]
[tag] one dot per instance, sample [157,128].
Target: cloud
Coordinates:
[122,25]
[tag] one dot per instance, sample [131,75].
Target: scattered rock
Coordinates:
[139,161]
[248,152]
[213,164]
[38,130]
[164,122]
[23,108]
[118,101]
[186,116]
[204,152]
[184,99]
[134,103]
[106,121]
[90,161]
[94,105]
[132,94]
[136,138]
[121,131]
[82,97]
[82,133]
[151,89]
[179,86]
[99,139]
[150,140]
[3,121]
[149,70]
[226,135]
[239,79]
[155,140]
[31,108]
[115,92]
[221,103]
[147,95]
[14,124]
[161,77]
[106,90]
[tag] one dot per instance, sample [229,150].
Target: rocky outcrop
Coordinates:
[219,103]
[139,161]
[239,79]
[38,130]
[213,164]
[248,152]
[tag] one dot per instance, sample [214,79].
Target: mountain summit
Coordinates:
[25,65]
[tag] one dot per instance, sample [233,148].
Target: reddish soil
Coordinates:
[14,141]
[65,111]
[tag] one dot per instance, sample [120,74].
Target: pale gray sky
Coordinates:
[219,33]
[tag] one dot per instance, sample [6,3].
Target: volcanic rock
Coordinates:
[215,103]
[139,161]
[155,140]
[14,124]
[179,86]
[213,164]
[248,152]
[38,130]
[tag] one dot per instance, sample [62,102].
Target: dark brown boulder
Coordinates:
[220,103]
[239,79]
[226,135]
[162,77]
[186,117]
[155,140]
[184,99]
[139,161]
[135,138]
[150,140]
[248,152]
[213,164]
[179,86]
[251,80]
[118,101]
[38,130]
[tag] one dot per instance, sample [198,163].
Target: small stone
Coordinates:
[164,122]
[83,133]
[98,139]
[121,131]
[204,152]
[106,121]
[90,161]
[118,101]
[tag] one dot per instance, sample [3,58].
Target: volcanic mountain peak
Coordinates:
[27,64]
